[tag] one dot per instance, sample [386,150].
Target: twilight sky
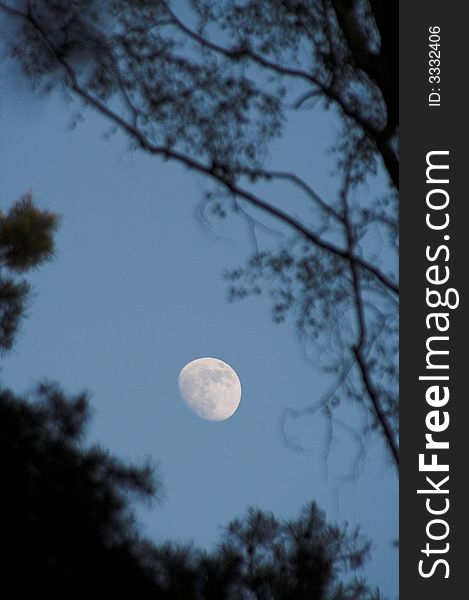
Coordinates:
[136,292]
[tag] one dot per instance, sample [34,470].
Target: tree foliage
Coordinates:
[66,516]
[66,521]
[26,241]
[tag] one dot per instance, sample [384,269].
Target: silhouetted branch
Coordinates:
[212,171]
[380,136]
[358,347]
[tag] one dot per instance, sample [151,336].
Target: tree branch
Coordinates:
[358,348]
[381,138]
[212,171]
[297,181]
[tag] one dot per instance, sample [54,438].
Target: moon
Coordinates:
[210,388]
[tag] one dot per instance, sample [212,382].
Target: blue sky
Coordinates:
[135,292]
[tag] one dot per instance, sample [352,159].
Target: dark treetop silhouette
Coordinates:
[211,90]
[68,529]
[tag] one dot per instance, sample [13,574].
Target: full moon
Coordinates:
[210,388]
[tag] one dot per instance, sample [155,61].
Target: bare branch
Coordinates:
[299,182]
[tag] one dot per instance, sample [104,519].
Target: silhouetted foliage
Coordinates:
[67,523]
[210,87]
[26,241]
[262,558]
[26,235]
[67,529]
